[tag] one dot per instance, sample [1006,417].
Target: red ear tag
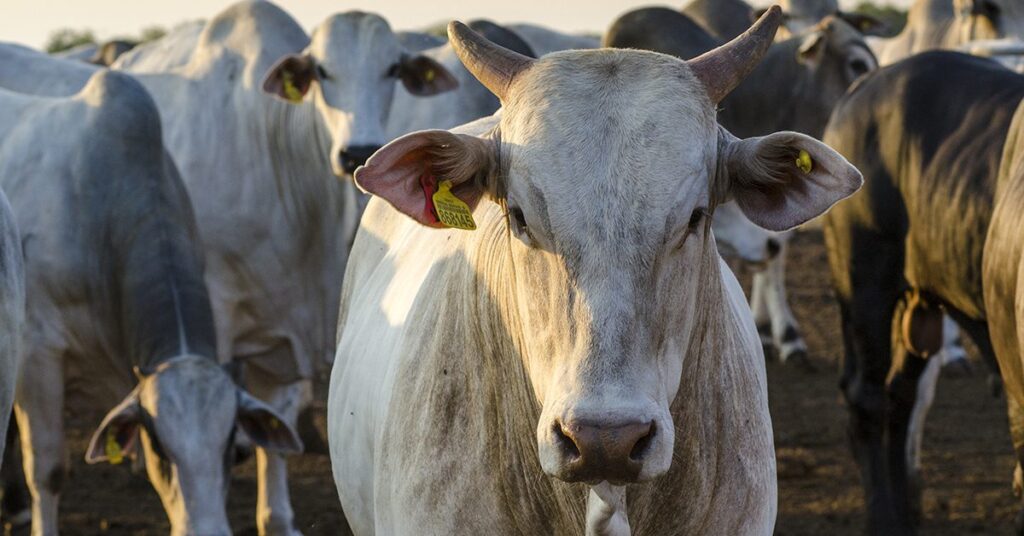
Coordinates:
[429,185]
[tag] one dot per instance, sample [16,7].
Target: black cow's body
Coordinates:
[928,135]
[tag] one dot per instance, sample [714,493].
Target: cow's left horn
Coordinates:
[494,66]
[722,69]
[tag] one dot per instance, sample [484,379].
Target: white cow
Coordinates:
[587,335]
[275,227]
[115,279]
[949,24]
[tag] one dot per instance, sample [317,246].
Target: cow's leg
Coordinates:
[39,409]
[16,506]
[770,285]
[910,399]
[274,514]
[759,307]
[954,357]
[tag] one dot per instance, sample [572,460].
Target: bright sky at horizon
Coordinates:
[30,23]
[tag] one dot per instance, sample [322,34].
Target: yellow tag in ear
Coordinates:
[112,448]
[429,75]
[803,161]
[451,210]
[291,92]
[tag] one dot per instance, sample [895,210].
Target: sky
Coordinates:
[30,22]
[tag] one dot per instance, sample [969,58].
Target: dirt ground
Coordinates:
[967,460]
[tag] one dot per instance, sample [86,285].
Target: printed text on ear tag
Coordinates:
[112,448]
[803,161]
[290,91]
[451,210]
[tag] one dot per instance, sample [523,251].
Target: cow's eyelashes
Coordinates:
[320,72]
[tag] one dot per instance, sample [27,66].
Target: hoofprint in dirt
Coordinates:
[968,461]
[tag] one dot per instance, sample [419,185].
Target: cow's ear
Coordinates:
[812,47]
[423,77]
[118,434]
[408,171]
[291,77]
[865,24]
[785,179]
[265,427]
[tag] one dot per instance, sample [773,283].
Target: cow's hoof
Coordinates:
[958,368]
[800,360]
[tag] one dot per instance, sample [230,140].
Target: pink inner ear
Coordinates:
[429,184]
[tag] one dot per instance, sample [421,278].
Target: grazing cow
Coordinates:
[468,102]
[586,335]
[275,230]
[794,88]
[115,283]
[948,24]
[545,41]
[1003,282]
[927,132]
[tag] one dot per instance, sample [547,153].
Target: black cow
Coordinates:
[928,134]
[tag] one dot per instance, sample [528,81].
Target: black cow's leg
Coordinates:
[904,390]
[15,507]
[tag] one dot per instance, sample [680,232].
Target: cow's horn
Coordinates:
[494,66]
[722,69]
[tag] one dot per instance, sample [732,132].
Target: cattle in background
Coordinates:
[908,247]
[103,55]
[468,102]
[587,331]
[726,19]
[795,87]
[949,24]
[545,41]
[115,285]
[276,227]
[1003,277]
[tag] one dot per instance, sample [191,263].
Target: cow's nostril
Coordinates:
[565,442]
[642,445]
[773,247]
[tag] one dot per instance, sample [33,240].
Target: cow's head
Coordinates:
[183,416]
[835,55]
[608,164]
[979,20]
[348,71]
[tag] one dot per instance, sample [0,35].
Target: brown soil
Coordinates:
[967,462]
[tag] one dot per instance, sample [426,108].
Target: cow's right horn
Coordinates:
[722,69]
[494,66]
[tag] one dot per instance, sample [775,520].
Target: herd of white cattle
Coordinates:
[529,324]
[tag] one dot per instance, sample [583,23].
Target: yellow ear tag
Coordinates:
[429,75]
[451,210]
[803,161]
[275,424]
[113,449]
[291,92]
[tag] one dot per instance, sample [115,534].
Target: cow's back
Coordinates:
[725,19]
[929,177]
[29,71]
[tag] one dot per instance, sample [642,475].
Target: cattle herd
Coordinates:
[528,322]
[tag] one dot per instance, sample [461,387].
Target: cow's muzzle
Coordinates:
[594,451]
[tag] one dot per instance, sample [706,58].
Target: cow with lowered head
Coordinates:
[583,358]
[118,314]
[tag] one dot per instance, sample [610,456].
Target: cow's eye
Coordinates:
[320,72]
[517,220]
[696,218]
